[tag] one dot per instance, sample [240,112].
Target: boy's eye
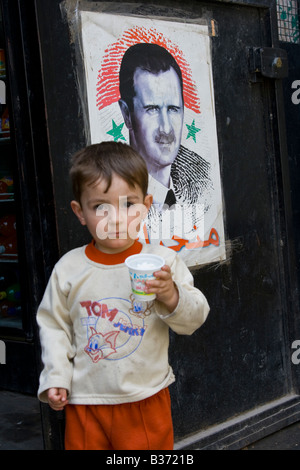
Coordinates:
[102,208]
[125,204]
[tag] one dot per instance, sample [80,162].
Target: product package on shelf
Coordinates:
[10,298]
[2,63]
[8,238]
[5,127]
[6,187]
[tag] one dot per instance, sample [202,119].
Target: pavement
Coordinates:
[20,422]
[285,439]
[21,428]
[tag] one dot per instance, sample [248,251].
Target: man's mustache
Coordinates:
[163,138]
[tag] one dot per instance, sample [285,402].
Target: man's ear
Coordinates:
[76,208]
[125,113]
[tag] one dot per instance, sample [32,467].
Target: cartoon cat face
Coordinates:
[101,346]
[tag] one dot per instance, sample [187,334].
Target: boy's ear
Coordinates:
[148,200]
[76,208]
[125,113]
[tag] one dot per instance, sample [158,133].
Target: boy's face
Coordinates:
[112,217]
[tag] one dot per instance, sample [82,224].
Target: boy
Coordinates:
[105,355]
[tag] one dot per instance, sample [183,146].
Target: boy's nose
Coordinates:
[118,215]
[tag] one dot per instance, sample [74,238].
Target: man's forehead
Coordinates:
[149,85]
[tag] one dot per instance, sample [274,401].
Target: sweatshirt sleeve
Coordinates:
[55,328]
[192,308]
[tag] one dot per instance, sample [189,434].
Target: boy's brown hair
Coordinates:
[102,160]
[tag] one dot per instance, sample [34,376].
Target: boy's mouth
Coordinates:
[117,235]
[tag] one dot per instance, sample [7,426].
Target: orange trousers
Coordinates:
[141,425]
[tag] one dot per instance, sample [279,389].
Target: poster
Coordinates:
[170,121]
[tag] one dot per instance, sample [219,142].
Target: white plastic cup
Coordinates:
[141,268]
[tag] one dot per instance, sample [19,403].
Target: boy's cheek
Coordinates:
[102,229]
[134,226]
[137,211]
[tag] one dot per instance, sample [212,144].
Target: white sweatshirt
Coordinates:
[97,341]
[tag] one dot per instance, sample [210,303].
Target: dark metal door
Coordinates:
[245,374]
[235,378]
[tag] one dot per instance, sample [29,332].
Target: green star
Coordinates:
[192,131]
[116,131]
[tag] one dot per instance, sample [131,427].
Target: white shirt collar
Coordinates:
[158,190]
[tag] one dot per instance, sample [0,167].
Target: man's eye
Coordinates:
[152,109]
[174,109]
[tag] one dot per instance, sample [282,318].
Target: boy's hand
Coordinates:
[164,288]
[57,398]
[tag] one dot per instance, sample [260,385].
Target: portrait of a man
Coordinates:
[147,85]
[152,106]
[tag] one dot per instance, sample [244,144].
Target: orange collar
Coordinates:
[106,258]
